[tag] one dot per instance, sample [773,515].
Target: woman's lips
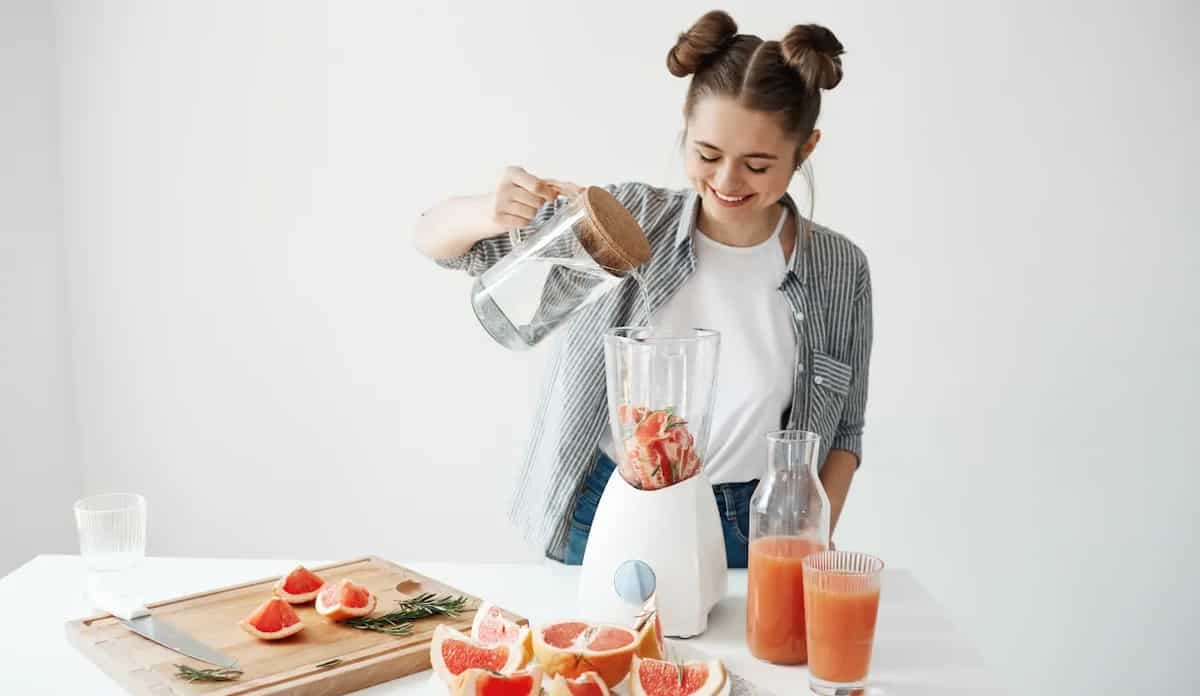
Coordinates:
[729,201]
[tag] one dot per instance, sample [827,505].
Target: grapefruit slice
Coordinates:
[483,682]
[272,620]
[660,678]
[451,653]
[299,586]
[344,600]
[648,626]
[589,684]
[571,648]
[490,628]
[631,415]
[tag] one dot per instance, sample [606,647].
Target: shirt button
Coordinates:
[800,367]
[818,380]
[799,315]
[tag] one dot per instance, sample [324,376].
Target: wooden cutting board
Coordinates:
[275,667]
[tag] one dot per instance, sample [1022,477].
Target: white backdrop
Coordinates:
[39,476]
[259,351]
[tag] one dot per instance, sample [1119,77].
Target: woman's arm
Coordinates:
[836,476]
[452,227]
[845,453]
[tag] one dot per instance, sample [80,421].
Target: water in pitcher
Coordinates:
[537,297]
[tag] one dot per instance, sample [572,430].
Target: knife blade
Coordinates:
[168,636]
[138,619]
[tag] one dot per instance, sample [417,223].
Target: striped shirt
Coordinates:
[827,288]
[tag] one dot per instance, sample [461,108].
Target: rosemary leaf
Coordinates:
[329,663]
[217,674]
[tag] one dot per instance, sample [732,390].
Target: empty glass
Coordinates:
[112,530]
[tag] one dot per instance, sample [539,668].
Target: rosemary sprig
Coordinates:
[388,623]
[399,622]
[217,674]
[429,604]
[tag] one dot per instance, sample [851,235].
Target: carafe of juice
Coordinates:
[586,249]
[789,519]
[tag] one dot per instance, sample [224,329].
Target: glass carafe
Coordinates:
[789,519]
[572,260]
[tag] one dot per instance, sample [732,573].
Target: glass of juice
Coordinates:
[841,600]
[789,519]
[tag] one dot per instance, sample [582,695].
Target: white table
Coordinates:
[917,649]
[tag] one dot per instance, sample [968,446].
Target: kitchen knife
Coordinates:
[138,619]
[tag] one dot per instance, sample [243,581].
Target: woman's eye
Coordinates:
[756,170]
[707,159]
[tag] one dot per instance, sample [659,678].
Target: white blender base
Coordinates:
[677,532]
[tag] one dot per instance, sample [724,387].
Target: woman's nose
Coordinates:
[727,179]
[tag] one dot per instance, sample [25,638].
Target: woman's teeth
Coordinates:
[732,200]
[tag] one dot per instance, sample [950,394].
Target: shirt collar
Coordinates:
[799,262]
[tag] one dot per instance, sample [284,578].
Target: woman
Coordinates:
[792,300]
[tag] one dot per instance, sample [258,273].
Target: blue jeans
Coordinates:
[733,503]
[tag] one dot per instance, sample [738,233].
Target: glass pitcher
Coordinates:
[789,519]
[585,250]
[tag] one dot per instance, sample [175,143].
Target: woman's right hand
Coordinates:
[519,196]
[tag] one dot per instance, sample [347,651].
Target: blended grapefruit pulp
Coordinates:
[841,628]
[775,629]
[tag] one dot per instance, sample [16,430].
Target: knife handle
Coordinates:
[119,605]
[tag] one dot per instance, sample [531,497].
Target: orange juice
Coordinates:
[775,629]
[841,628]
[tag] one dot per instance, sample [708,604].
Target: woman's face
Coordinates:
[740,161]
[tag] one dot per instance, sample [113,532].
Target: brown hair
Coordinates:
[784,77]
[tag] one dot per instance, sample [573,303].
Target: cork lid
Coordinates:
[610,233]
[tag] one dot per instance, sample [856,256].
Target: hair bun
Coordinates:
[710,35]
[814,52]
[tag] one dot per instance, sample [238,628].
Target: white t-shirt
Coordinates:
[735,291]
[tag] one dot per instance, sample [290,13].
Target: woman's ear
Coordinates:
[807,147]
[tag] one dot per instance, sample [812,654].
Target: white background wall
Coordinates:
[259,351]
[39,478]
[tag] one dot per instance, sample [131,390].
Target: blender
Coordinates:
[659,507]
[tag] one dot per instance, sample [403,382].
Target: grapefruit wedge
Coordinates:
[299,586]
[648,626]
[451,653]
[483,682]
[272,620]
[589,684]
[343,600]
[659,678]
[490,628]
